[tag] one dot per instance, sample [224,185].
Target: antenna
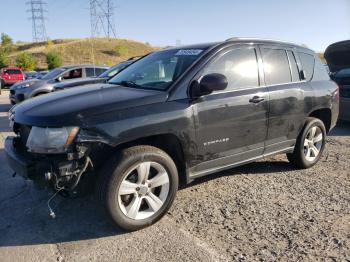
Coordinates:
[37,11]
[101,16]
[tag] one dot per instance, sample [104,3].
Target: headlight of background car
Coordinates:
[20,86]
[51,140]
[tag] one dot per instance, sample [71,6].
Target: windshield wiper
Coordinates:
[127,84]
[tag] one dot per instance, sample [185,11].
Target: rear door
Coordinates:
[286,96]
[231,125]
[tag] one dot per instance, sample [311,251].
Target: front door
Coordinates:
[231,125]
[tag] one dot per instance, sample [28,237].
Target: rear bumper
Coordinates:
[11,82]
[19,162]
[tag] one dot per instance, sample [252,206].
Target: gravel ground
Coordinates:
[263,211]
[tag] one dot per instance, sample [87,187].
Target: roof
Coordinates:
[83,65]
[6,68]
[241,40]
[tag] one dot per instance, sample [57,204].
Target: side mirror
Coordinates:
[59,79]
[208,84]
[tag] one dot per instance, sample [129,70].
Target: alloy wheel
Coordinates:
[313,143]
[143,190]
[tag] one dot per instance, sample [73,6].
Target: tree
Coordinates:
[6,40]
[121,50]
[26,61]
[53,60]
[6,43]
[4,59]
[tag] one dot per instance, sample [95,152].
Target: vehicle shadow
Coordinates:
[4,124]
[5,107]
[342,129]
[25,217]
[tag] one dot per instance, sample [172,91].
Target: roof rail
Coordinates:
[259,39]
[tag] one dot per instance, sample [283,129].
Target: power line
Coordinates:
[37,10]
[101,18]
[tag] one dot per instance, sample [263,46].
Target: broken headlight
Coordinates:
[51,140]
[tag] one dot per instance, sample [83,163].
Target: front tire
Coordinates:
[309,145]
[137,187]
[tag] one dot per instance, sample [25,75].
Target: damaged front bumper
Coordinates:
[62,171]
[18,159]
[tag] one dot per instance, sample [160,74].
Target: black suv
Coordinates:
[178,113]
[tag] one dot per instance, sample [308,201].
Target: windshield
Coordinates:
[115,69]
[53,74]
[157,70]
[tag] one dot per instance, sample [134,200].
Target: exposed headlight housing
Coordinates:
[51,140]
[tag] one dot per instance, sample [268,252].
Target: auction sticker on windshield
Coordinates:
[189,52]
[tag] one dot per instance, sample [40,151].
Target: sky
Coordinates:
[315,23]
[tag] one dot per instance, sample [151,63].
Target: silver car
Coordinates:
[35,87]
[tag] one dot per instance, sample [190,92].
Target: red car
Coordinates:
[9,76]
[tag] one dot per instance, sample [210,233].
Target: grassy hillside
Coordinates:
[76,51]
[99,51]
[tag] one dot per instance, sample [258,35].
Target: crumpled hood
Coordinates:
[75,106]
[337,56]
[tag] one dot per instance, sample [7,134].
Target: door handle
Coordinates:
[256,99]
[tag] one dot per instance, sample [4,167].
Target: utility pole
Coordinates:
[37,10]
[101,16]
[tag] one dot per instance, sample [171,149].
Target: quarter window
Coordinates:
[307,62]
[276,66]
[90,71]
[239,66]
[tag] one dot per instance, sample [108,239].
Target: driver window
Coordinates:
[239,66]
[74,73]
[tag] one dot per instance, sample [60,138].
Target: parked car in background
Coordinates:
[10,76]
[175,114]
[30,74]
[35,87]
[104,77]
[41,74]
[35,74]
[337,56]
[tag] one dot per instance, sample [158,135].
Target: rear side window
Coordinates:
[276,66]
[293,66]
[90,71]
[239,66]
[307,62]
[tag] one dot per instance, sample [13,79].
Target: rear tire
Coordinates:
[309,145]
[137,187]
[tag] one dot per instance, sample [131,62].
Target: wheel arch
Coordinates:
[167,142]
[325,115]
